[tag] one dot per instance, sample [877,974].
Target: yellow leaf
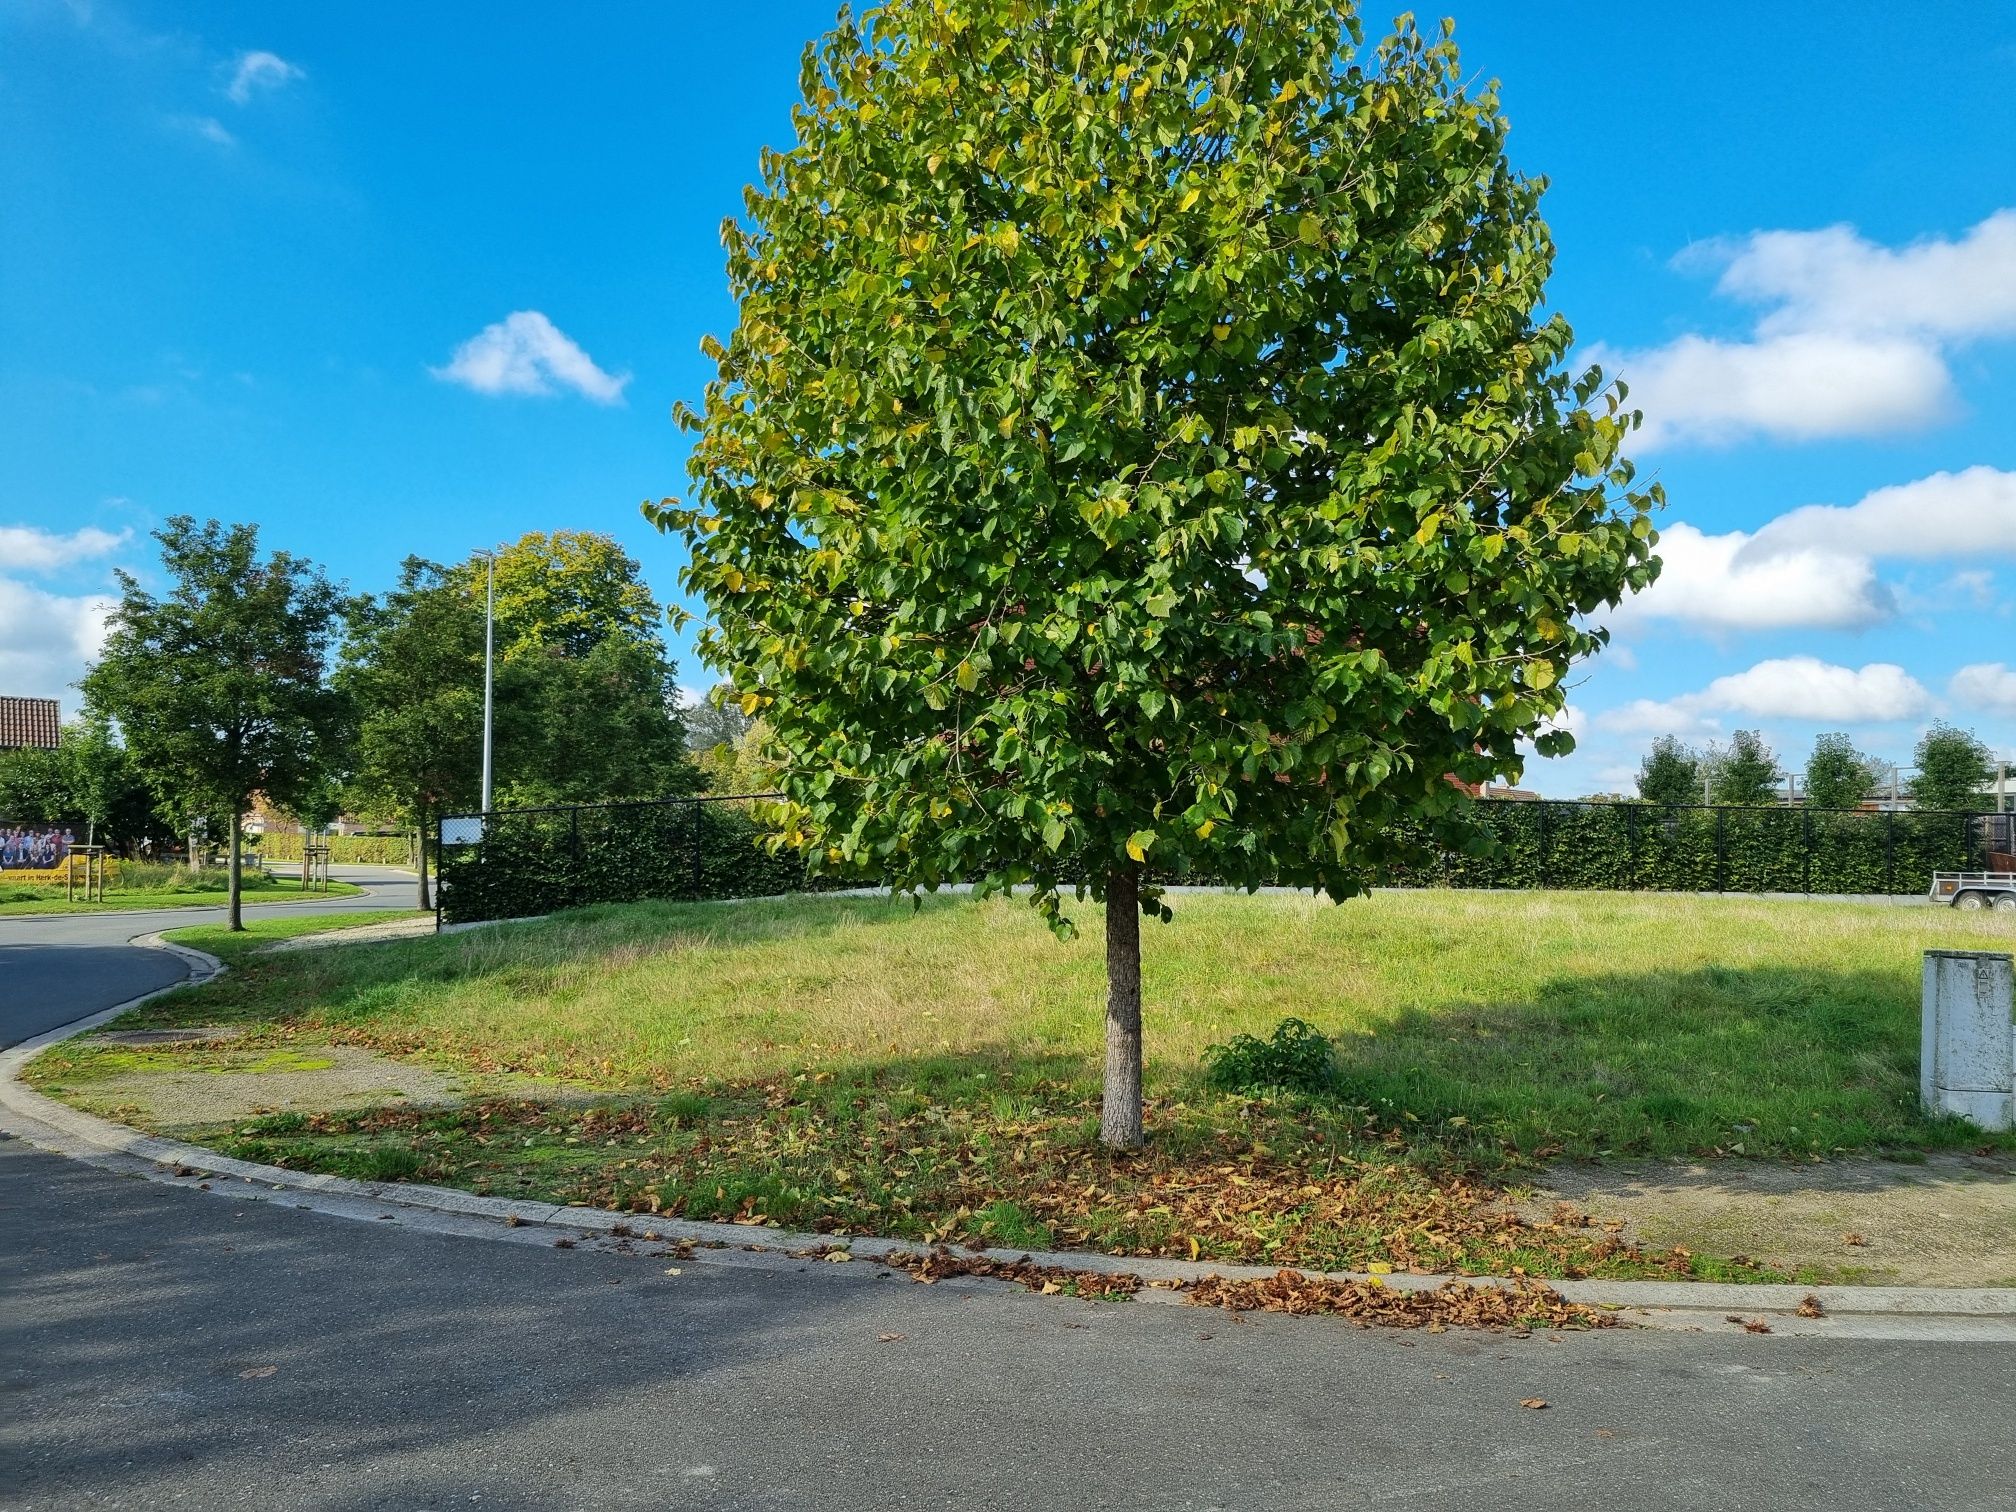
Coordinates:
[1134,851]
[750,703]
[1195,1248]
[1204,833]
[1189,199]
[1380,1268]
[1051,1288]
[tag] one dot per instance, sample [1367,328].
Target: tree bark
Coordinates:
[237,855]
[420,838]
[1120,1104]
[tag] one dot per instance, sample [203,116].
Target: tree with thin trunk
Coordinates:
[1954,770]
[1837,775]
[218,685]
[1670,773]
[1140,456]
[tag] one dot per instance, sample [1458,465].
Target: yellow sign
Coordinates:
[53,876]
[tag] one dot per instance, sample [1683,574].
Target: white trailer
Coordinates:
[1971,890]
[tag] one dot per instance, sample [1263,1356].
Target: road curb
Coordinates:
[1958,1314]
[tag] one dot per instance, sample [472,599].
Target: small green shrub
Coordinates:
[1297,1057]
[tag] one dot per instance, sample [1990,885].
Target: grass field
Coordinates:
[848,1064]
[270,929]
[50,900]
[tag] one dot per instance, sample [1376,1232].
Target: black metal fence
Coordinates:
[514,862]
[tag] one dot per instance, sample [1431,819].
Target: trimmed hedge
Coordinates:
[344,850]
[533,861]
[537,860]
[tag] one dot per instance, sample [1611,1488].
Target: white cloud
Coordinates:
[1798,388]
[1963,514]
[1835,279]
[1720,582]
[1815,567]
[260,72]
[1791,687]
[1853,340]
[46,639]
[207,127]
[24,548]
[525,353]
[1985,688]
[1650,716]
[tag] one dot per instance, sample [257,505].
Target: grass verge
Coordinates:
[46,900]
[845,1065]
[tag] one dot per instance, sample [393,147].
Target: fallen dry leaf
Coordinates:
[1536,1403]
[257,1372]
[890,1338]
[1810,1307]
[1855,1239]
[1750,1325]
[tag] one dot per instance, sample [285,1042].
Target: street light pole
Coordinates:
[489,650]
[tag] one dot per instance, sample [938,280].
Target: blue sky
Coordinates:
[262,263]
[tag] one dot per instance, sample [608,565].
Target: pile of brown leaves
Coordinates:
[1370,1303]
[939,1263]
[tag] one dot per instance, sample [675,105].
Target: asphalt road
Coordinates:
[59,967]
[162,1347]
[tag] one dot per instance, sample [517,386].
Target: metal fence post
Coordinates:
[1545,852]
[440,876]
[1629,879]
[693,826]
[1889,850]
[1721,850]
[1806,849]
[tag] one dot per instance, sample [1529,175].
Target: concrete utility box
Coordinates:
[1968,1062]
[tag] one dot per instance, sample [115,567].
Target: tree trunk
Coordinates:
[420,846]
[1120,1105]
[237,857]
[192,848]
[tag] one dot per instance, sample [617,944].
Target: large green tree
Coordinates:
[1954,768]
[1837,775]
[1140,449]
[1670,773]
[1744,773]
[218,686]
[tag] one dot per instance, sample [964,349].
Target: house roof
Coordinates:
[32,722]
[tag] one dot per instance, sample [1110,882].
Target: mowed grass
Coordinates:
[853,1065]
[262,930]
[16,900]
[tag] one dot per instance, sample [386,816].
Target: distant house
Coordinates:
[29,724]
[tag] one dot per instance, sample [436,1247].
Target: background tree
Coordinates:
[587,696]
[1837,775]
[1953,767]
[218,687]
[1670,773]
[1744,773]
[715,719]
[413,670]
[1139,447]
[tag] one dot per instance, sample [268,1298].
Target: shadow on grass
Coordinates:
[1761,1061]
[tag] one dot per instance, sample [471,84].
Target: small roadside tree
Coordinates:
[1743,774]
[1670,773]
[1837,775]
[1139,449]
[218,687]
[1953,769]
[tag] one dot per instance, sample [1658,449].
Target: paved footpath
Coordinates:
[59,967]
[162,1346]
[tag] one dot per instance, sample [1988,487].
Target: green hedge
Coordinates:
[344,850]
[1635,846]
[534,861]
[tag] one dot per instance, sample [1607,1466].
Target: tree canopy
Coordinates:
[1139,447]
[1837,775]
[1953,768]
[218,686]
[1744,773]
[1670,773]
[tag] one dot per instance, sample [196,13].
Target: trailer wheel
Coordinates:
[1971,901]
[2006,903]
